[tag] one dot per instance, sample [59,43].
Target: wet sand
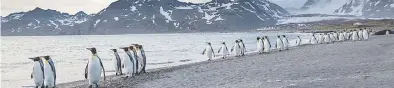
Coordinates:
[342,64]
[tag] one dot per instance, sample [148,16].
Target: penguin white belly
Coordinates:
[259,47]
[266,46]
[38,74]
[128,66]
[341,37]
[279,44]
[115,64]
[285,43]
[209,53]
[224,51]
[140,61]
[313,40]
[94,71]
[49,76]
[237,50]
[360,35]
[326,39]
[365,35]
[387,33]
[354,36]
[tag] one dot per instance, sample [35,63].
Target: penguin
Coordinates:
[341,37]
[285,42]
[236,49]
[140,58]
[298,41]
[387,32]
[360,34]
[365,34]
[332,37]
[243,48]
[266,44]
[38,72]
[279,44]
[260,45]
[335,36]
[321,38]
[209,51]
[117,63]
[128,65]
[313,39]
[142,52]
[326,38]
[93,69]
[354,35]
[224,50]
[49,72]
[135,58]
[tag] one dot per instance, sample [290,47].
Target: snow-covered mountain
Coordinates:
[321,6]
[42,22]
[148,16]
[140,16]
[368,8]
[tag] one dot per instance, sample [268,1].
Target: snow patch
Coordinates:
[133,8]
[97,21]
[53,23]
[116,18]
[184,7]
[166,14]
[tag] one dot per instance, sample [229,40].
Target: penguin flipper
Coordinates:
[102,66]
[203,52]
[53,69]
[219,49]
[86,71]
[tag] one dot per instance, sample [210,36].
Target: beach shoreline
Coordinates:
[344,64]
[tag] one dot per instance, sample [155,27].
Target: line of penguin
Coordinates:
[134,63]
[282,42]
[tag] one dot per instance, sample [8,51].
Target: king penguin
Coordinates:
[285,42]
[135,59]
[209,51]
[243,48]
[321,38]
[38,72]
[360,34]
[224,50]
[326,38]
[365,34]
[354,35]
[117,63]
[341,37]
[142,52]
[387,32]
[49,72]
[128,65]
[236,49]
[93,69]
[298,41]
[279,44]
[313,39]
[139,57]
[267,44]
[259,45]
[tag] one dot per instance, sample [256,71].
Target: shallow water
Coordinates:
[70,54]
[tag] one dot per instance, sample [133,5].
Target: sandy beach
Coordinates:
[359,64]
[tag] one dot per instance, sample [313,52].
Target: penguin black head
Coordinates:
[46,57]
[139,47]
[208,43]
[258,38]
[223,42]
[35,58]
[284,35]
[93,50]
[298,36]
[266,37]
[114,50]
[125,48]
[278,36]
[136,45]
[240,40]
[236,41]
[131,47]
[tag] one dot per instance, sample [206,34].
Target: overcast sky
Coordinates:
[90,6]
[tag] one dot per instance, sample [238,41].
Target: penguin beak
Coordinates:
[89,48]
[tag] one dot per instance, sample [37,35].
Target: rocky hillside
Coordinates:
[368,8]
[147,16]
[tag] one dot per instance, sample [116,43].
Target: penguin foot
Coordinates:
[90,86]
